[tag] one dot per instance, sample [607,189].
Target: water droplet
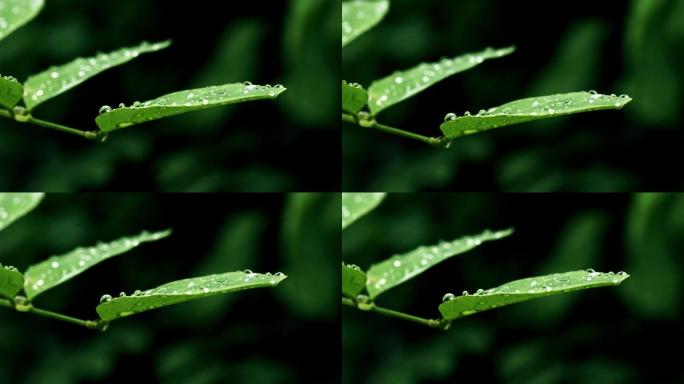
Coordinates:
[248,271]
[205,290]
[105,298]
[465,293]
[448,297]
[280,274]
[592,92]
[450,117]
[622,273]
[54,264]
[105,109]
[122,294]
[122,105]
[591,270]
[479,291]
[467,113]
[396,263]
[247,83]
[137,292]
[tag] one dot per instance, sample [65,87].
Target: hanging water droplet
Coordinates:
[105,298]
[448,297]
[105,109]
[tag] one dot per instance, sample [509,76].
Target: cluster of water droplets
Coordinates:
[10,201]
[9,268]
[352,266]
[402,85]
[15,9]
[57,80]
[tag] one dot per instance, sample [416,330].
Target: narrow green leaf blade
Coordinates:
[15,13]
[400,268]
[526,289]
[184,290]
[535,108]
[400,86]
[185,101]
[358,16]
[355,205]
[58,269]
[57,80]
[15,205]
[10,91]
[354,97]
[11,281]
[353,280]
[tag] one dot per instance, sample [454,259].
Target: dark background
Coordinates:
[287,334]
[634,47]
[623,334]
[257,146]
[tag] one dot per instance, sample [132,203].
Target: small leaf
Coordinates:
[10,91]
[353,280]
[535,108]
[354,97]
[16,205]
[184,290]
[355,205]
[58,269]
[15,13]
[57,80]
[359,16]
[183,102]
[11,281]
[400,86]
[400,268]
[526,289]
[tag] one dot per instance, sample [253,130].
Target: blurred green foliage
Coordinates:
[633,47]
[257,336]
[265,146]
[597,336]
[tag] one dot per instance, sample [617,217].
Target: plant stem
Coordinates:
[6,303]
[27,118]
[433,323]
[434,141]
[62,128]
[92,324]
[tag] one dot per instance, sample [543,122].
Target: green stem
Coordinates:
[62,128]
[432,323]
[25,117]
[92,324]
[434,141]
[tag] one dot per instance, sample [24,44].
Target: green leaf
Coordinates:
[10,91]
[355,205]
[183,102]
[354,97]
[58,269]
[11,281]
[526,289]
[359,16]
[15,205]
[15,13]
[184,290]
[353,280]
[57,80]
[400,86]
[400,268]
[535,108]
